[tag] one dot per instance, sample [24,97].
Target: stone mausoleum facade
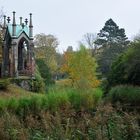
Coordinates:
[18,48]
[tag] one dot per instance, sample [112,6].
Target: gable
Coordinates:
[23,35]
[19,30]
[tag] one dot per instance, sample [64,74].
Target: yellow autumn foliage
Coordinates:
[81,68]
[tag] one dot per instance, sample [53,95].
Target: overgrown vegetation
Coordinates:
[67,123]
[65,113]
[4,84]
[44,71]
[37,83]
[127,94]
[126,69]
[81,68]
[54,100]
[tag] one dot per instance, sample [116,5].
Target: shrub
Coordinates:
[4,83]
[44,71]
[125,94]
[126,69]
[37,84]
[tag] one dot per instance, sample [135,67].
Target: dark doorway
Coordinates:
[22,55]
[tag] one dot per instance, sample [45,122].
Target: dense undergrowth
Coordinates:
[22,115]
[68,123]
[54,100]
[125,94]
[64,113]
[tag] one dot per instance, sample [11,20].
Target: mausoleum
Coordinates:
[18,48]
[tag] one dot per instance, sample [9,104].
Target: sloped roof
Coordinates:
[19,30]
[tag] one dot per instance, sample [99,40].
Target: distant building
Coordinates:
[18,48]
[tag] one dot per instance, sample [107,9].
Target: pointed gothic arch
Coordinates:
[23,54]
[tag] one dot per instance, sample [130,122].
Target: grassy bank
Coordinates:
[26,115]
[63,113]
[56,99]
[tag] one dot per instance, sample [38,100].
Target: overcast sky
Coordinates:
[69,20]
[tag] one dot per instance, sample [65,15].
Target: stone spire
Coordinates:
[14,25]
[4,24]
[20,20]
[30,27]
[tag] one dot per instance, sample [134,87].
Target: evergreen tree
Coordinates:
[112,41]
[111,33]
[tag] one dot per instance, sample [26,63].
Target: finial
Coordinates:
[23,25]
[8,19]
[26,21]
[20,20]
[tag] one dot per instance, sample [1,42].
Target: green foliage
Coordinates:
[112,42]
[46,50]
[52,113]
[44,71]
[54,100]
[4,83]
[37,83]
[126,69]
[125,94]
[111,33]
[68,123]
[81,68]
[110,123]
[109,53]
[65,113]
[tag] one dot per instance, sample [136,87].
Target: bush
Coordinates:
[37,84]
[126,69]
[125,94]
[44,71]
[4,83]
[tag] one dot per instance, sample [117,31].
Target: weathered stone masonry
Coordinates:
[18,48]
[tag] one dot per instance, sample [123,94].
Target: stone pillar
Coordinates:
[21,21]
[31,46]
[14,58]
[31,57]
[4,25]
[14,25]
[3,59]
[30,27]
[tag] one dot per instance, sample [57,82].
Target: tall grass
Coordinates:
[125,94]
[54,100]
[65,113]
